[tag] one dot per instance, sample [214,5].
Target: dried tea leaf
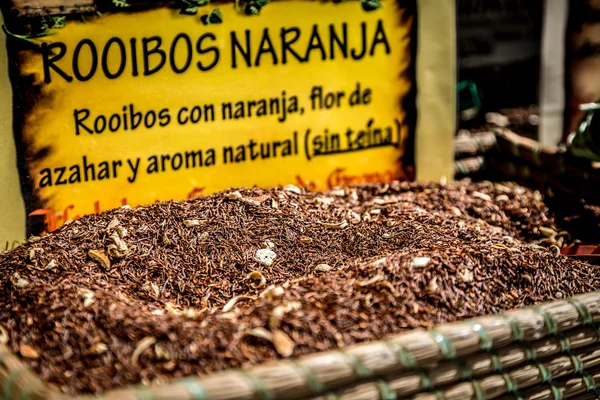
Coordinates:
[466,276]
[338,192]
[388,285]
[273,292]
[87,302]
[379,277]
[3,335]
[387,236]
[192,222]
[161,354]
[114,223]
[165,239]
[420,262]
[338,225]
[482,196]
[259,333]
[279,311]
[85,293]
[231,303]
[155,289]
[98,348]
[323,200]
[293,189]
[305,239]
[28,351]
[121,231]
[117,247]
[284,345]
[100,257]
[50,266]
[265,257]
[547,232]
[257,280]
[323,268]
[250,201]
[234,195]
[142,345]
[274,204]
[432,286]
[18,282]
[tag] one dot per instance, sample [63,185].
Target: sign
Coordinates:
[134,105]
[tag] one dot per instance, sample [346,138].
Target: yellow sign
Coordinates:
[130,108]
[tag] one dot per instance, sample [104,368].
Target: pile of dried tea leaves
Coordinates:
[244,276]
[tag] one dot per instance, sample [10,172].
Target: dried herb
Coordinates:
[409,255]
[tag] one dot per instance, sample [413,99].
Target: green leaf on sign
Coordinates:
[253,7]
[120,3]
[214,17]
[370,5]
[190,7]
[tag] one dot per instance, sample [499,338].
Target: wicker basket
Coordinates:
[551,351]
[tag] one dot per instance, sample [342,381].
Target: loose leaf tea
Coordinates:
[143,295]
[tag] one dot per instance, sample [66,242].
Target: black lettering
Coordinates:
[123,56]
[100,124]
[315,43]
[380,38]
[114,123]
[335,39]
[286,44]
[235,44]
[134,64]
[179,119]
[88,168]
[59,179]
[266,40]
[75,176]
[46,179]
[49,62]
[353,52]
[188,50]
[79,121]
[164,117]
[211,49]
[156,50]
[94,60]
[150,116]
